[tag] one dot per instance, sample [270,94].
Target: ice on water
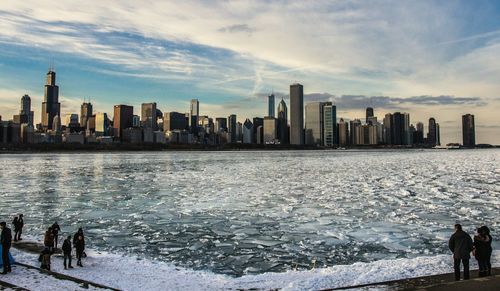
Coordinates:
[243,213]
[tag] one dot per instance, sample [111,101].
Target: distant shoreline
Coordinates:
[35,148]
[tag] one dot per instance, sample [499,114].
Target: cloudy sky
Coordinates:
[429,58]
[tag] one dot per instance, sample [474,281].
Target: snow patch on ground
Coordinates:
[133,273]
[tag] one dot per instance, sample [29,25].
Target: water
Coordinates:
[253,212]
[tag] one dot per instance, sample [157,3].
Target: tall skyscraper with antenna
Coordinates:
[50,105]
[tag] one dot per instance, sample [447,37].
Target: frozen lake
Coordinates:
[242,213]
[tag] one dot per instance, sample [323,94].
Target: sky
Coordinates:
[436,59]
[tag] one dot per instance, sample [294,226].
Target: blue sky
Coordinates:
[431,58]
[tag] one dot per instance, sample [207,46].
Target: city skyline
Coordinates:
[421,57]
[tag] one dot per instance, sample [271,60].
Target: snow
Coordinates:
[132,273]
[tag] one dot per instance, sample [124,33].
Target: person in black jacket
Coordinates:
[6,240]
[66,248]
[80,247]
[481,251]
[55,231]
[461,245]
[20,224]
[486,231]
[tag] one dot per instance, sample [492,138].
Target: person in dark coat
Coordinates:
[48,240]
[66,248]
[15,224]
[44,259]
[6,240]
[55,231]
[20,225]
[481,251]
[486,231]
[460,245]
[80,247]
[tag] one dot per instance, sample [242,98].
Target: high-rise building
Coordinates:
[432,132]
[71,122]
[296,114]
[418,136]
[231,128]
[314,123]
[85,113]
[56,123]
[194,113]
[220,124]
[343,133]
[270,104]
[398,134]
[329,125]
[122,119]
[101,124]
[25,115]
[50,105]
[468,130]
[247,131]
[174,121]
[149,116]
[355,132]
[239,131]
[369,113]
[388,129]
[282,122]
[406,129]
[257,121]
[270,130]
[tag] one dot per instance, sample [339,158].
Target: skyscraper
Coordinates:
[174,121]
[355,132]
[418,137]
[369,113]
[50,105]
[148,115]
[101,124]
[282,122]
[388,129]
[247,131]
[270,104]
[122,119]
[231,128]
[194,113]
[343,130]
[85,114]
[432,132]
[329,125]
[25,115]
[468,130]
[258,121]
[398,134]
[314,123]
[296,114]
[270,130]
[220,124]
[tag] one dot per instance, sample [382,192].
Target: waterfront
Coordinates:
[253,212]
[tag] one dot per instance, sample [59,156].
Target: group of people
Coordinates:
[462,245]
[50,242]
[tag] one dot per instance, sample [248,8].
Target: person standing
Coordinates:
[489,249]
[48,240]
[66,248]
[80,247]
[44,259]
[460,245]
[6,241]
[20,223]
[55,231]
[481,241]
[15,224]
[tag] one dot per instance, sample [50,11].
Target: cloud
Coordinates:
[361,101]
[235,28]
